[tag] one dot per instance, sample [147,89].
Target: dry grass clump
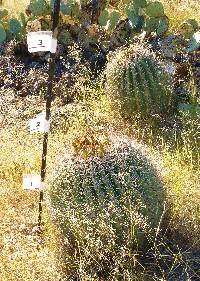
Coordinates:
[182,183]
[180,10]
[25,255]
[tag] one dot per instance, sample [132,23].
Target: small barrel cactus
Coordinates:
[137,81]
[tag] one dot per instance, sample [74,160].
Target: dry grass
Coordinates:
[25,255]
[14,6]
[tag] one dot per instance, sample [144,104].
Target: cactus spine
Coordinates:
[138,82]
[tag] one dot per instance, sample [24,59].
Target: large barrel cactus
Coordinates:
[137,81]
[108,203]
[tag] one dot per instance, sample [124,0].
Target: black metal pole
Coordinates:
[51,72]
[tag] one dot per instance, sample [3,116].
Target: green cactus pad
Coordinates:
[140,3]
[14,26]
[193,22]
[186,29]
[3,13]
[194,42]
[159,25]
[65,37]
[151,24]
[136,20]
[163,25]
[39,7]
[23,20]
[75,10]
[114,19]
[66,8]
[103,18]
[155,9]
[2,34]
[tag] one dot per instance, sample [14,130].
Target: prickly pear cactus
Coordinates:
[2,34]
[188,28]
[149,17]
[138,82]
[3,13]
[159,25]
[14,26]
[155,9]
[38,7]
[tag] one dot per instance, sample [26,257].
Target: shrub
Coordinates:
[136,81]
[107,207]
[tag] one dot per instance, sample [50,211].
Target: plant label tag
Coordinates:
[32,182]
[41,41]
[39,124]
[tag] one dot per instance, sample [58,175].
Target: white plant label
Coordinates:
[32,182]
[41,41]
[39,124]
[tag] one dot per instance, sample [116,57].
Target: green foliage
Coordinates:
[136,20]
[109,19]
[2,34]
[150,18]
[155,9]
[194,42]
[65,37]
[188,28]
[104,18]
[194,23]
[114,18]
[140,3]
[159,25]
[23,20]
[14,26]
[38,7]
[138,82]
[3,13]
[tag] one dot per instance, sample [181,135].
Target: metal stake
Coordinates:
[51,72]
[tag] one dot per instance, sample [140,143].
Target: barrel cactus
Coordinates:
[115,200]
[136,81]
